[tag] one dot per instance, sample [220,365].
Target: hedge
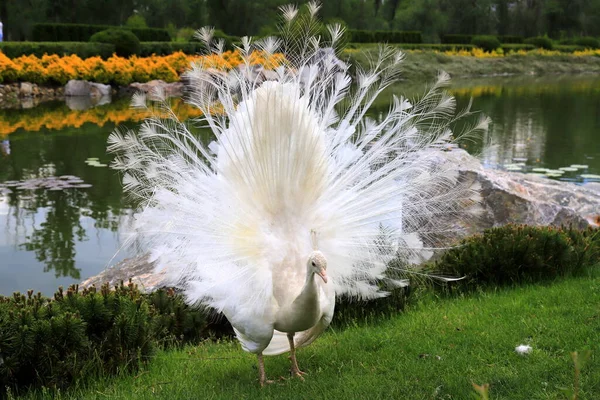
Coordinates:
[360,36]
[456,39]
[510,39]
[165,48]
[38,49]
[50,32]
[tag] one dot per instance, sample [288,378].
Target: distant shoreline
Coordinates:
[420,66]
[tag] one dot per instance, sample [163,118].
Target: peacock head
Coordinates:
[317,264]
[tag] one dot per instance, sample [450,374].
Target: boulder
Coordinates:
[138,269]
[157,89]
[78,88]
[25,89]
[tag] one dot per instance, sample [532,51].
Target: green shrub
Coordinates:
[587,42]
[362,36]
[456,39]
[50,32]
[510,39]
[541,42]
[487,43]
[82,49]
[174,322]
[517,254]
[55,342]
[126,43]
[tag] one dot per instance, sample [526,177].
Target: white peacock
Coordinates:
[301,197]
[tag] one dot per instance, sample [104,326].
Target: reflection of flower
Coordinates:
[63,118]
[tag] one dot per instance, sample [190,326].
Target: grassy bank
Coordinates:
[435,350]
[425,65]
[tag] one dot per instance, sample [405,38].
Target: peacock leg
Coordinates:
[262,377]
[295,370]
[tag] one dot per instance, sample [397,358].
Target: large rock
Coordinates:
[138,269]
[158,89]
[26,89]
[506,197]
[78,88]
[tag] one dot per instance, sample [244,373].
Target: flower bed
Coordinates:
[53,69]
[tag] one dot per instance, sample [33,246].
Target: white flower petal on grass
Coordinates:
[523,349]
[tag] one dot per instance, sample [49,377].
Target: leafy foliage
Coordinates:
[126,43]
[54,342]
[487,43]
[515,254]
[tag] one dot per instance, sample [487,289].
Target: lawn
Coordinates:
[434,350]
[425,65]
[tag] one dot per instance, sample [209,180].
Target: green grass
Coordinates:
[435,350]
[419,66]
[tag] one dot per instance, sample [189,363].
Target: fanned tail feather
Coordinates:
[294,151]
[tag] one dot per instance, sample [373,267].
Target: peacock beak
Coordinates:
[323,274]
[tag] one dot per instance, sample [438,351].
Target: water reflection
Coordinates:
[547,123]
[71,230]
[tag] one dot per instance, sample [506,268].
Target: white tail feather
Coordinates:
[293,154]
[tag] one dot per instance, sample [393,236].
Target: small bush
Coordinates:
[517,254]
[126,43]
[541,42]
[587,42]
[55,342]
[487,43]
[38,49]
[456,39]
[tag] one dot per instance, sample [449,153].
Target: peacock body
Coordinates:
[301,197]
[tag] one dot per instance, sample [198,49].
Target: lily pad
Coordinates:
[579,166]
[568,169]
[590,176]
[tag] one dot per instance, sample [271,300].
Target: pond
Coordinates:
[62,209]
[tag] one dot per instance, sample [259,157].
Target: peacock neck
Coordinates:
[303,312]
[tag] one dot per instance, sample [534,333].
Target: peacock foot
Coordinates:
[265,382]
[297,373]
